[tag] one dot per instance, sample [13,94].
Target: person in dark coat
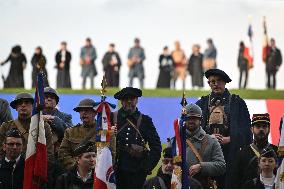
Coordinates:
[267,163]
[12,165]
[166,67]
[164,174]
[195,68]
[138,143]
[63,58]
[225,116]
[5,112]
[246,162]
[111,64]
[15,78]
[273,61]
[38,64]
[81,176]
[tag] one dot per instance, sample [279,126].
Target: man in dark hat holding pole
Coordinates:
[137,141]
[225,116]
[246,162]
[74,136]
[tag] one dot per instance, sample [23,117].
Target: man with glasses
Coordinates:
[23,104]
[246,161]
[137,141]
[12,165]
[225,116]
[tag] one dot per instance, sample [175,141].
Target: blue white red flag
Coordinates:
[35,173]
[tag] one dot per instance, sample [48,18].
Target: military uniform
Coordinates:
[133,160]
[75,136]
[24,127]
[72,138]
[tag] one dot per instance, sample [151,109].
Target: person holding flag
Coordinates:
[76,135]
[204,156]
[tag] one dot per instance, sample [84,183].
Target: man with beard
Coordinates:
[138,143]
[225,116]
[74,136]
[246,162]
[164,175]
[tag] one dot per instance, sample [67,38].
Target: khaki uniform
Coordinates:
[24,128]
[72,138]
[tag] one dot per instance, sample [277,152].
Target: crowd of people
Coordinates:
[225,148]
[173,65]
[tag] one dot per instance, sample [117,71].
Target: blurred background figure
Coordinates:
[87,60]
[179,64]
[273,61]
[39,64]
[195,67]
[111,65]
[5,112]
[136,56]
[166,69]
[245,62]
[210,55]
[63,59]
[15,78]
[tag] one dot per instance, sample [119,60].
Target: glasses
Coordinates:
[168,160]
[13,144]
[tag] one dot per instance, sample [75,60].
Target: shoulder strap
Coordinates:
[194,150]
[162,183]
[22,130]
[136,127]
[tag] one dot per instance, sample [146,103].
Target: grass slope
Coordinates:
[246,94]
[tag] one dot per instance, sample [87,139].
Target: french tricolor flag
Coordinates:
[35,173]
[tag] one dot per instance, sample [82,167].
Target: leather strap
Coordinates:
[22,130]
[194,150]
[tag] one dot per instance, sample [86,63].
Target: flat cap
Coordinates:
[49,90]
[128,92]
[85,103]
[21,96]
[84,148]
[218,72]
[268,153]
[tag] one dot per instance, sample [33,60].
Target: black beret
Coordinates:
[13,132]
[84,148]
[168,152]
[218,72]
[128,92]
[268,153]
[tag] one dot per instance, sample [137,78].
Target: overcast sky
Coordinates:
[156,22]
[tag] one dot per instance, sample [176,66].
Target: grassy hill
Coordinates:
[246,94]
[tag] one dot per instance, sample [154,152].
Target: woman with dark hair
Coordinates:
[18,60]
[166,69]
[38,64]
[267,163]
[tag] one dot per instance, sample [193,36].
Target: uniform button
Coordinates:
[126,138]
[127,133]
[136,138]
[126,144]
[128,129]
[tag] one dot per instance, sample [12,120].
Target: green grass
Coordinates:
[246,94]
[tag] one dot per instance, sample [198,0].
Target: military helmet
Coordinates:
[49,90]
[85,103]
[193,110]
[19,97]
